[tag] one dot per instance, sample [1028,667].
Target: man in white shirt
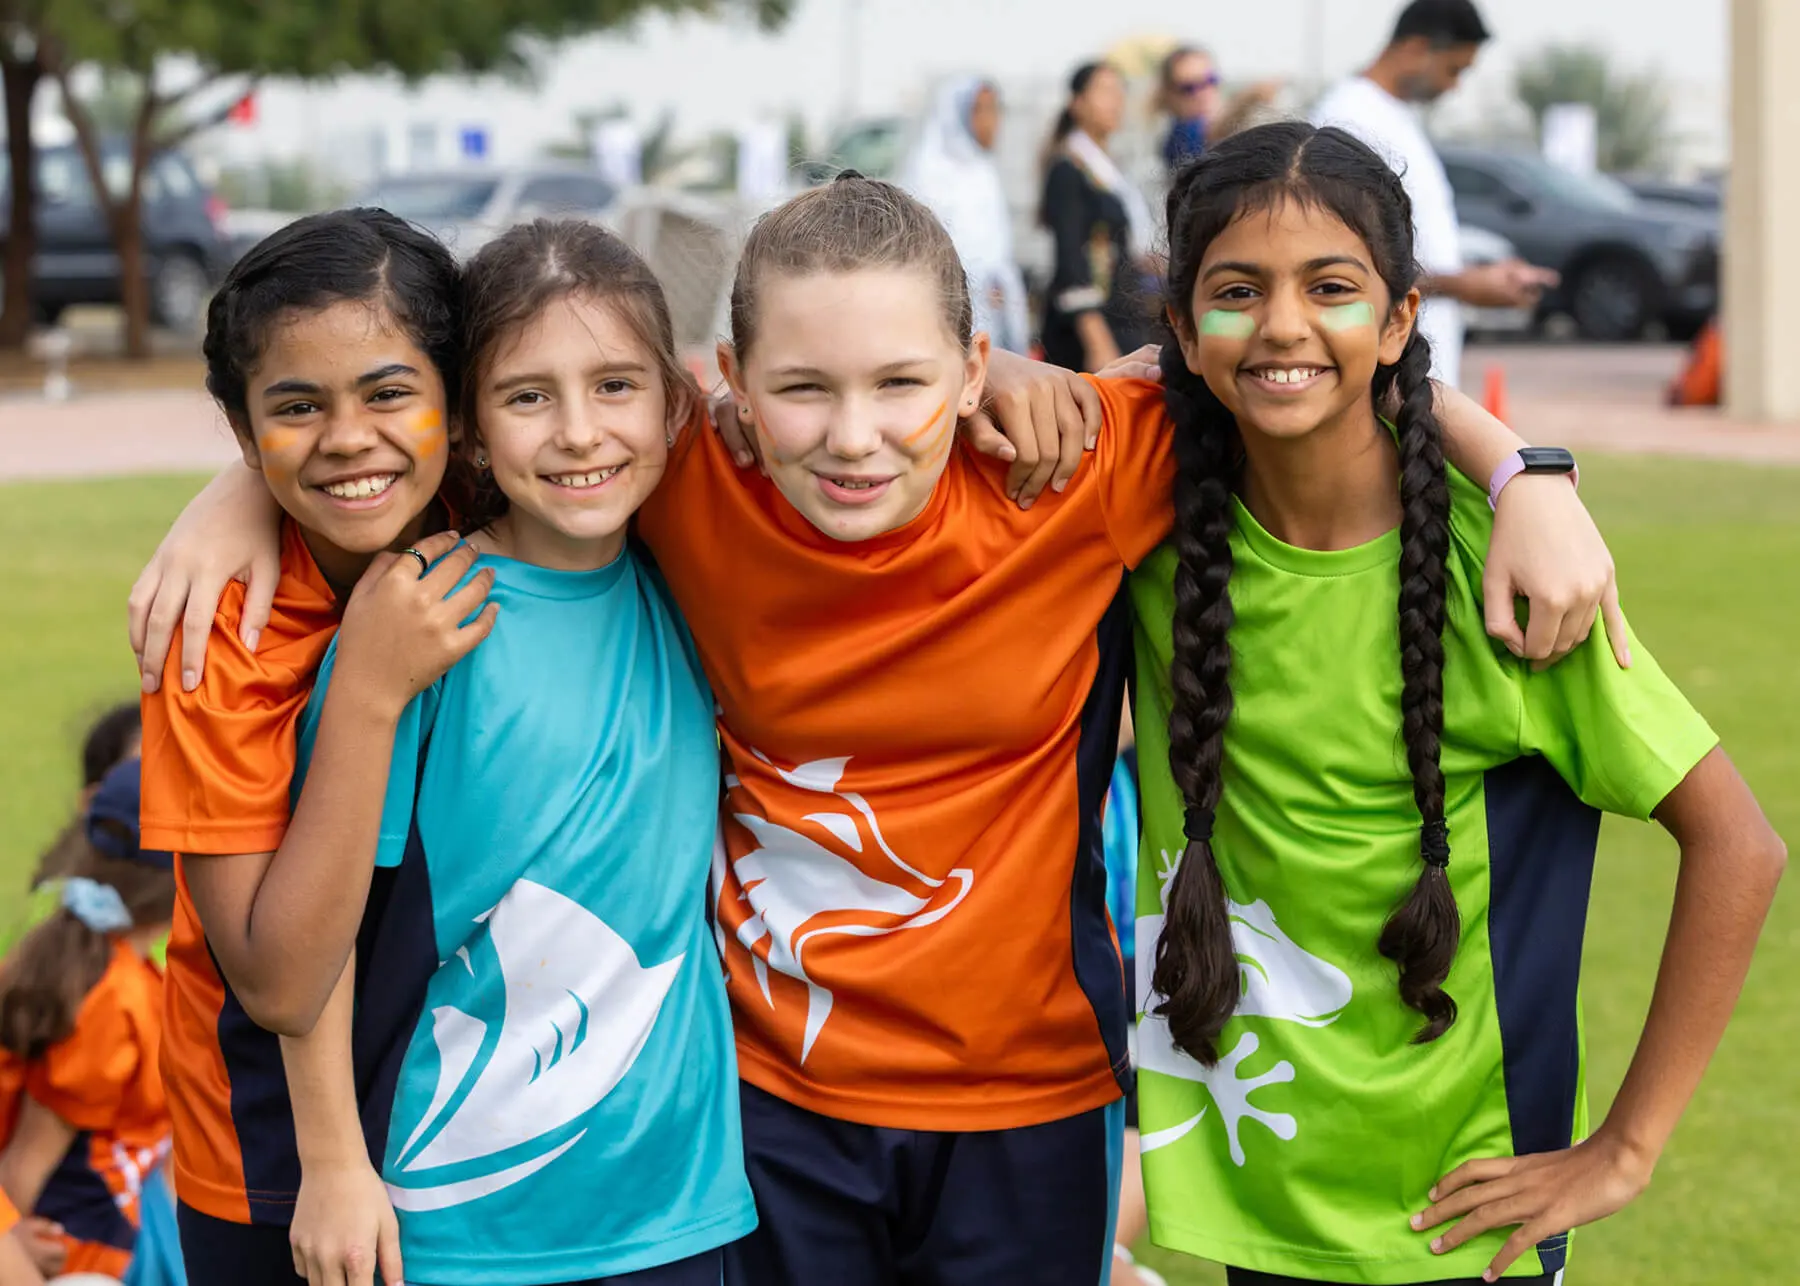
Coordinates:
[1434,43]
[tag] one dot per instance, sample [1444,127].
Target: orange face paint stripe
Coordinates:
[926,427]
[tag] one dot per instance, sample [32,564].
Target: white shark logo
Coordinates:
[579,1009]
[1279,980]
[789,879]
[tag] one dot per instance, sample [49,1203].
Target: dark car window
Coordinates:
[173,179]
[62,178]
[1585,191]
[567,193]
[1471,184]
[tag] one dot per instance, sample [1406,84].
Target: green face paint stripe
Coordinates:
[1227,324]
[1348,316]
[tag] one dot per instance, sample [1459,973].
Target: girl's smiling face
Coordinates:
[1289,319]
[348,427]
[573,417]
[854,385]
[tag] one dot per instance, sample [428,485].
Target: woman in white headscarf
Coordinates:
[951,169]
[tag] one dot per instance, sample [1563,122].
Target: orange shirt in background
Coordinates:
[102,1080]
[218,767]
[919,733]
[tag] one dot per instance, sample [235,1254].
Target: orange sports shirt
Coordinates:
[218,766]
[102,1079]
[919,732]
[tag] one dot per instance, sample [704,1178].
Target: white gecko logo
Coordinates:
[1279,981]
[578,1010]
[790,879]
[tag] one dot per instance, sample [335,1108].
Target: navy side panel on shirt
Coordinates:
[78,1199]
[396,954]
[1541,842]
[1096,956]
[261,1113]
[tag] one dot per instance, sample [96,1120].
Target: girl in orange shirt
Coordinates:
[82,1113]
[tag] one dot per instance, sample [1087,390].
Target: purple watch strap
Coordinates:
[1512,467]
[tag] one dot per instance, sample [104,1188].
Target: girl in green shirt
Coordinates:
[1360,1060]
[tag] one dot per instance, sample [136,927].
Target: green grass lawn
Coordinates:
[1708,557]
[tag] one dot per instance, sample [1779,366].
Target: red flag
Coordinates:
[243,112]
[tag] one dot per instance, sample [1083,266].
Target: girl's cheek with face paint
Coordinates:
[429,437]
[931,438]
[1345,317]
[1227,323]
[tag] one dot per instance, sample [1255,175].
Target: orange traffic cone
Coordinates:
[1494,399]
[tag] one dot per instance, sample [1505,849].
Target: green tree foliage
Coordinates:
[1631,111]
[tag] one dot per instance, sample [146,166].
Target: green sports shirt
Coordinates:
[1310,1145]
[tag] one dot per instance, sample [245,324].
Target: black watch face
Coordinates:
[1547,460]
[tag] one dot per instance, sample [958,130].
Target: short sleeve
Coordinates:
[1623,739]
[1134,464]
[85,1077]
[218,761]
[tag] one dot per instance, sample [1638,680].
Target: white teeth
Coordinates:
[854,484]
[361,488]
[1295,375]
[592,478]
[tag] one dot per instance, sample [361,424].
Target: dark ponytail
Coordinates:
[110,886]
[1196,964]
[1422,935]
[1065,119]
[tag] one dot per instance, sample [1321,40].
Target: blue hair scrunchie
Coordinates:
[96,905]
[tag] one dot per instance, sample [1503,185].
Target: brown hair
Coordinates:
[47,976]
[513,279]
[849,224]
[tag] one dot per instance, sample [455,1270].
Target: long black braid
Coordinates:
[1196,966]
[1422,934]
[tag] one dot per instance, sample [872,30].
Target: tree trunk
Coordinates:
[134,289]
[20,78]
[128,230]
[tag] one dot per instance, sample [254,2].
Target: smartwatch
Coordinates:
[1531,460]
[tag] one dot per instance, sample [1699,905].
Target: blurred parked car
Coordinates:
[1480,246]
[186,250]
[1625,262]
[1692,196]
[468,208]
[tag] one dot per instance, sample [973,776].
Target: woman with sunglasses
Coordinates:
[1197,110]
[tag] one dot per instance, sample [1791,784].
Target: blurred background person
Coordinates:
[951,169]
[1434,43]
[1102,230]
[1189,93]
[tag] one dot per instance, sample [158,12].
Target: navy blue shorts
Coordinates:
[218,1252]
[867,1206]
